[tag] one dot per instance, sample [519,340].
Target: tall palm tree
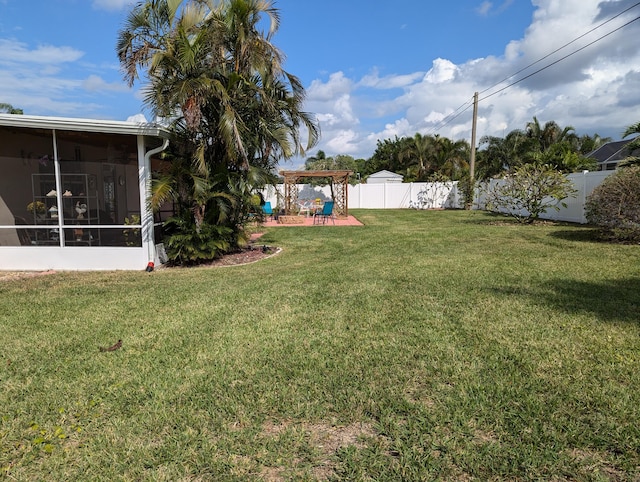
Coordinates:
[208,58]
[212,71]
[548,134]
[419,154]
[452,156]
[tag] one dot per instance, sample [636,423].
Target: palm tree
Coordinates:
[587,143]
[420,152]
[632,129]
[451,157]
[634,145]
[504,154]
[220,80]
[549,134]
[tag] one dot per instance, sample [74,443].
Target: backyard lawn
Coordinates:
[424,345]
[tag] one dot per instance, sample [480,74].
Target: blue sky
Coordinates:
[373,69]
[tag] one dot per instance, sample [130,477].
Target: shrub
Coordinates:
[467,188]
[186,245]
[529,191]
[614,206]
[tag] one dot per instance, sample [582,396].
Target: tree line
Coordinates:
[425,157]
[211,71]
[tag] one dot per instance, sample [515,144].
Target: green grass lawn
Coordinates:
[423,345]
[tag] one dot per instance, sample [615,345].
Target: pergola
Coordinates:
[339,180]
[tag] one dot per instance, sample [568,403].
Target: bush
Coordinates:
[187,245]
[529,191]
[614,206]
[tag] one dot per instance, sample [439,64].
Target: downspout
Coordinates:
[147,222]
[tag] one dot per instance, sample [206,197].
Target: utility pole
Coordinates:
[472,158]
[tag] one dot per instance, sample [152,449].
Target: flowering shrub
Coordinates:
[529,192]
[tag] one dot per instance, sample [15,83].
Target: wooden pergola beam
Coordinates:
[340,181]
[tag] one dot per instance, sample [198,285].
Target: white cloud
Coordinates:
[44,79]
[484,8]
[337,85]
[390,81]
[344,142]
[138,119]
[12,51]
[596,90]
[94,83]
[112,5]
[442,71]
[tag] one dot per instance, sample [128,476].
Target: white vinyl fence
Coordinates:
[420,195]
[441,195]
[584,183]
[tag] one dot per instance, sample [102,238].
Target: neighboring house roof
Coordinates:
[385,176]
[84,125]
[610,154]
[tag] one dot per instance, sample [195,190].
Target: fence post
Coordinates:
[584,196]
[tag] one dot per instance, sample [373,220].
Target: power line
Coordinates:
[559,48]
[449,118]
[559,60]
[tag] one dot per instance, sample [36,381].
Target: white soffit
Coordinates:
[84,125]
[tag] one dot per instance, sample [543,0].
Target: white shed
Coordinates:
[384,176]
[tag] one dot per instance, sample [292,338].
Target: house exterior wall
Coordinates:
[87,181]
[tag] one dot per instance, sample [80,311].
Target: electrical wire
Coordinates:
[449,118]
[559,48]
[559,60]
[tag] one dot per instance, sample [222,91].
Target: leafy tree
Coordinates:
[504,154]
[341,162]
[317,162]
[9,109]
[420,154]
[587,144]
[529,191]
[634,145]
[452,157]
[235,111]
[549,134]
[563,157]
[614,205]
[537,144]
[387,156]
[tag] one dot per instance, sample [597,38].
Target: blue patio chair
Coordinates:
[326,213]
[267,210]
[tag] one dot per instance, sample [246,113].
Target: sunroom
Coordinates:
[73,194]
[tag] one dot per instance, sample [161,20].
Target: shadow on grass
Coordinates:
[580,234]
[616,301]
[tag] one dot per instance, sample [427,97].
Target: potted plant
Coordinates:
[132,235]
[37,208]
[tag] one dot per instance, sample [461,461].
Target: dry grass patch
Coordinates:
[596,465]
[324,441]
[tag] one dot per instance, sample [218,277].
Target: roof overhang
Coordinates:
[328,173]
[84,125]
